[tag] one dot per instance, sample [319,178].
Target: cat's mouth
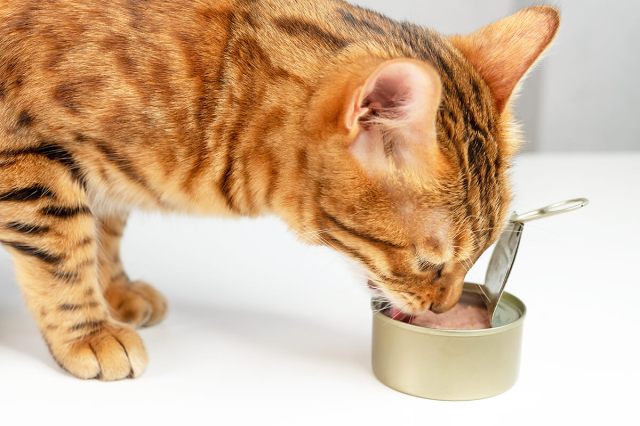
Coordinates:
[445,297]
[388,303]
[387,307]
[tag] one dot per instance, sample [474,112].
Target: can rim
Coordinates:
[506,297]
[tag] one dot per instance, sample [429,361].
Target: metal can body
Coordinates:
[448,364]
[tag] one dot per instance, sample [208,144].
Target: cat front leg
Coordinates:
[47,225]
[134,302]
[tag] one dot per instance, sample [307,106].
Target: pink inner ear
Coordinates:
[393,88]
[399,90]
[395,113]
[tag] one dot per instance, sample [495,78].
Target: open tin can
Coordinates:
[451,364]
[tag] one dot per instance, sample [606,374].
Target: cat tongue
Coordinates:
[398,315]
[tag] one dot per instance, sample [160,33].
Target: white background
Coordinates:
[263,329]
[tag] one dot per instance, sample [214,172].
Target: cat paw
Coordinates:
[111,352]
[136,303]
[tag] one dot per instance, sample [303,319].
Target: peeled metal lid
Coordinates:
[501,263]
[506,249]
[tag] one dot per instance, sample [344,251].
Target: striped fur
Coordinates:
[236,108]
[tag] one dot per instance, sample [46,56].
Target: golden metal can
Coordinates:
[449,364]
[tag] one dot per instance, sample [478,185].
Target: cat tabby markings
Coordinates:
[386,141]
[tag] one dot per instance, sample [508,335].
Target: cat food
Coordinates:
[463,316]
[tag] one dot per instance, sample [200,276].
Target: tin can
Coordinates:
[450,364]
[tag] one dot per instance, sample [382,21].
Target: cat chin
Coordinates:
[398,304]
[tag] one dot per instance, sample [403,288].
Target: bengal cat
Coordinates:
[384,140]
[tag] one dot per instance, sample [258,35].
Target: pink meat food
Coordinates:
[463,316]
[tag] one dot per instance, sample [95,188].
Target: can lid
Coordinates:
[506,249]
[501,263]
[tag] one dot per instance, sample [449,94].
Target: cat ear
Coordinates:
[504,51]
[392,116]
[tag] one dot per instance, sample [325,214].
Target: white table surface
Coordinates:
[264,329]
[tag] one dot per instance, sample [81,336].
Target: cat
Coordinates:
[384,140]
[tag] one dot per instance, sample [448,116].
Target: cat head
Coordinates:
[412,170]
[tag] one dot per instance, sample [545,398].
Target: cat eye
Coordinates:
[361,234]
[426,266]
